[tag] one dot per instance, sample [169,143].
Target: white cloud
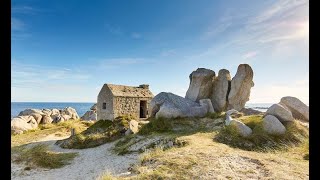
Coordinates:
[249,55]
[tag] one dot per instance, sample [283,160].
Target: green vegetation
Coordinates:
[181,125]
[156,125]
[216,115]
[99,133]
[260,140]
[39,155]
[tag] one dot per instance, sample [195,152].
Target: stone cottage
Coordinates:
[119,100]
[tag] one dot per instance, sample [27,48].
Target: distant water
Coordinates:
[81,108]
[17,107]
[263,107]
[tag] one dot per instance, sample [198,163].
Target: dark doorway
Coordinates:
[143,109]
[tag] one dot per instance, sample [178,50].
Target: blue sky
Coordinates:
[64,51]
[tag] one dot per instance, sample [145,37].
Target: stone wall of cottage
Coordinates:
[105,96]
[129,106]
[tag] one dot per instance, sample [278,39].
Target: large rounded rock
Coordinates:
[46,119]
[298,109]
[47,112]
[221,85]
[272,125]
[71,112]
[242,129]
[169,105]
[281,112]
[241,85]
[28,112]
[55,112]
[90,115]
[134,126]
[23,123]
[37,117]
[200,86]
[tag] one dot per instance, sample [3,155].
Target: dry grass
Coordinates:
[206,159]
[47,129]
[259,140]
[40,156]
[99,133]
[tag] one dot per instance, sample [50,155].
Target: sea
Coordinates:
[81,108]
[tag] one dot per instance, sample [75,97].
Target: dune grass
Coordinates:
[260,140]
[40,156]
[99,133]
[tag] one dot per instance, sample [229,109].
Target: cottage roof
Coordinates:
[129,91]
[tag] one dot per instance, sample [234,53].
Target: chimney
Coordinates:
[144,86]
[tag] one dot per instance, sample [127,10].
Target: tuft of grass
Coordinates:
[215,115]
[156,125]
[106,176]
[260,140]
[40,156]
[164,167]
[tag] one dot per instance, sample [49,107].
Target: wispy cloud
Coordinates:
[283,21]
[30,75]
[114,63]
[249,55]
[23,10]
[17,24]
[136,35]
[168,52]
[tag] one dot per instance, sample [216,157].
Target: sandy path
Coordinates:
[89,164]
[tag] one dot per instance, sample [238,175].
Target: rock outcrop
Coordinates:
[71,112]
[93,107]
[31,118]
[208,104]
[220,90]
[250,111]
[225,94]
[272,125]
[241,85]
[281,112]
[201,82]
[23,123]
[298,109]
[90,115]
[46,119]
[168,105]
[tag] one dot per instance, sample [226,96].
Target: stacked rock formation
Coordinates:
[225,93]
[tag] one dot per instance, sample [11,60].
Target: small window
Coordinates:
[104,105]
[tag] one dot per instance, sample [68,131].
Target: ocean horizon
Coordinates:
[83,107]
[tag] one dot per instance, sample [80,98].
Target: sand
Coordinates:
[89,164]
